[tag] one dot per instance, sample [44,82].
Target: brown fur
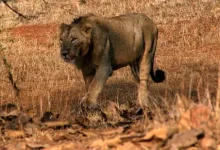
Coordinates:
[106,44]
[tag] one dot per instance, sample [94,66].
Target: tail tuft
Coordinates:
[159,76]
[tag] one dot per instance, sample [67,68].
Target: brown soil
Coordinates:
[41,33]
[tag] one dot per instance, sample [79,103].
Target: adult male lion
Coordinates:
[98,46]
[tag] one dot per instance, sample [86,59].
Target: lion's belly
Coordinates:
[125,51]
[124,57]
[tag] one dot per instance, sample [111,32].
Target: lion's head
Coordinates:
[74,41]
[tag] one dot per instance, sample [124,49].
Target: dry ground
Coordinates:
[188,51]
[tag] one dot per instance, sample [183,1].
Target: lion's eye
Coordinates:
[74,40]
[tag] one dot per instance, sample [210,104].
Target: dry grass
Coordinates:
[188,51]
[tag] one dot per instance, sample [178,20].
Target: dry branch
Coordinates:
[15,11]
[10,76]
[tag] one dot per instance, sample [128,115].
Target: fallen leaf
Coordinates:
[16,146]
[185,139]
[119,123]
[30,128]
[208,143]
[194,117]
[14,134]
[10,147]
[192,148]
[113,131]
[218,147]
[21,146]
[31,113]
[36,120]
[56,124]
[12,125]
[181,104]
[14,113]
[49,116]
[37,145]
[112,113]
[184,122]
[82,121]
[146,144]
[24,118]
[107,142]
[87,133]
[8,107]
[128,146]
[199,115]
[63,146]
[160,133]
[72,131]
[59,136]
[112,142]
[48,137]
[132,136]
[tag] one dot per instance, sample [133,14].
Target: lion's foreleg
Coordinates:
[103,71]
[88,80]
[97,84]
[94,85]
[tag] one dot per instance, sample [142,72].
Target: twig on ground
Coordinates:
[15,11]
[10,76]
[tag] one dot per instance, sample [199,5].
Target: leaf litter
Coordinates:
[22,130]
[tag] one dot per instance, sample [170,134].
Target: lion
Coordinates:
[98,46]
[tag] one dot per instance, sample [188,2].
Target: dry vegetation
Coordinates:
[188,51]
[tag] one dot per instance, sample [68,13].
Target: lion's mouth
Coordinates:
[70,61]
[67,58]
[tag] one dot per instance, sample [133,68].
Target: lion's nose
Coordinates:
[64,54]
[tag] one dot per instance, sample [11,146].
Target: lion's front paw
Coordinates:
[92,111]
[88,105]
[93,106]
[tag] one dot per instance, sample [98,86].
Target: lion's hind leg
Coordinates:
[135,69]
[145,68]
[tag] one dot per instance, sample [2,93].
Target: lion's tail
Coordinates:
[159,75]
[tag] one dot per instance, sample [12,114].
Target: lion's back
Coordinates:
[126,33]
[139,18]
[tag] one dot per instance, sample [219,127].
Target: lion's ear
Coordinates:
[63,26]
[87,29]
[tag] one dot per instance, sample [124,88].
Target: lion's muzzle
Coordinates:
[64,55]
[67,58]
